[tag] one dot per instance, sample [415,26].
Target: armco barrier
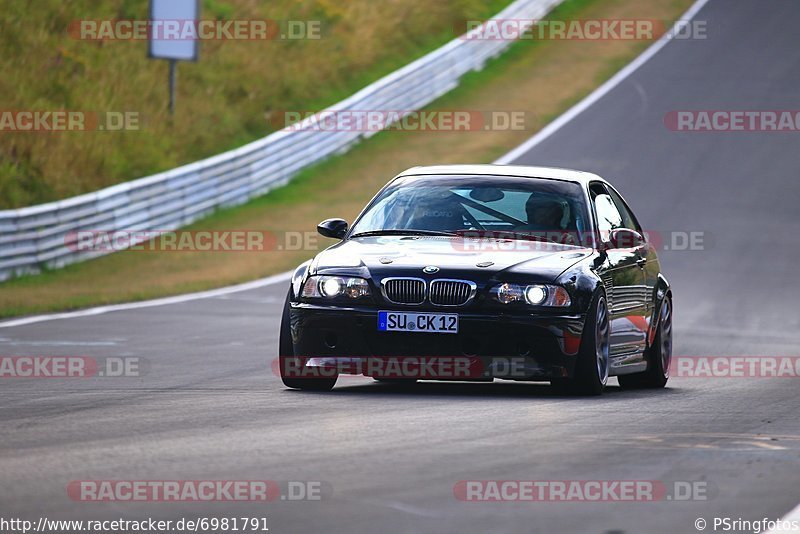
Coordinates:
[36,237]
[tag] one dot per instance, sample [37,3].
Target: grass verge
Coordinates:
[238,84]
[542,78]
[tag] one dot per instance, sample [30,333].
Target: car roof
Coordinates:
[525,171]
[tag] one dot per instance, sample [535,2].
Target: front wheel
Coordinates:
[291,365]
[592,366]
[659,355]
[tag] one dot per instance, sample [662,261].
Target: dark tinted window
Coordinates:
[490,203]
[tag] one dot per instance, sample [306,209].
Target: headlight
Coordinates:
[331,287]
[508,293]
[535,295]
[335,286]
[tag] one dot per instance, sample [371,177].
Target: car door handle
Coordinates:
[641,262]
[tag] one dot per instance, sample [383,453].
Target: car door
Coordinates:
[649,257]
[623,278]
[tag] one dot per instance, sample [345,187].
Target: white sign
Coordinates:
[173,29]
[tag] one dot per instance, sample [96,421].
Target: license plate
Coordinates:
[436,323]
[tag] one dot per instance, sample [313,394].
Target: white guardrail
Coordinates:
[43,236]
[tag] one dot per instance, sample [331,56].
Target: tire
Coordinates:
[592,365]
[286,358]
[658,355]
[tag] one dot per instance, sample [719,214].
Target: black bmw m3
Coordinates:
[483,272]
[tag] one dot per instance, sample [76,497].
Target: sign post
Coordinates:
[168,23]
[173,64]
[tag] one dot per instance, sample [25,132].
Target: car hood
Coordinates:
[407,255]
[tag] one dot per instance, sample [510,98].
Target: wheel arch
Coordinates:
[583,283]
[298,277]
[662,291]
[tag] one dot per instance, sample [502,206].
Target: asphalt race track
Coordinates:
[209,408]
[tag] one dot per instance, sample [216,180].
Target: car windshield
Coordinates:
[550,210]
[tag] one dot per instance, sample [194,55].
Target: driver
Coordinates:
[545,216]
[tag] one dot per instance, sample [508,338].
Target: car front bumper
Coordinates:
[516,347]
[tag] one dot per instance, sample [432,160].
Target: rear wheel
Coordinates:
[290,365]
[659,355]
[592,366]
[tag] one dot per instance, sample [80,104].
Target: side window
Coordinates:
[608,216]
[628,220]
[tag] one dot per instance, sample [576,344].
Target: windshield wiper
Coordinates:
[505,234]
[402,232]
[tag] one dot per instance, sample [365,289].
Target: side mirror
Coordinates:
[625,238]
[333,228]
